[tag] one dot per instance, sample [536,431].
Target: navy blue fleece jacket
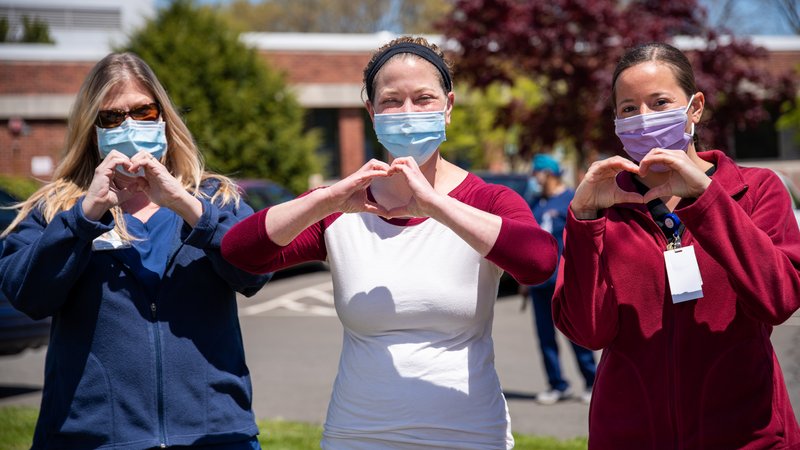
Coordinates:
[124,368]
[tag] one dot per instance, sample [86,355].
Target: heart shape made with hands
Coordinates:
[672,184]
[123,169]
[125,181]
[398,196]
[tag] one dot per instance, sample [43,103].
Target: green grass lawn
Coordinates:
[16,429]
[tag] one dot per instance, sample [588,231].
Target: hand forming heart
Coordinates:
[108,187]
[599,188]
[421,194]
[350,194]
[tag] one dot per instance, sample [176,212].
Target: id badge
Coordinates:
[109,240]
[683,273]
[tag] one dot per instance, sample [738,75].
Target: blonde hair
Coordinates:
[80,156]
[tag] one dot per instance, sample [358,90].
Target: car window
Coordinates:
[262,194]
[518,182]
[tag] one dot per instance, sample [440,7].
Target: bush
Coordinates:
[20,187]
[241,113]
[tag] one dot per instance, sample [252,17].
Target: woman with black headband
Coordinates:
[416,247]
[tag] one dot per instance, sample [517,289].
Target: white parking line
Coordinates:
[290,301]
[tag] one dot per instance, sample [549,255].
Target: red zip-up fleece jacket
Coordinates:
[700,374]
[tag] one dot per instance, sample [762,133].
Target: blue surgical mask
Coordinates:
[132,137]
[415,134]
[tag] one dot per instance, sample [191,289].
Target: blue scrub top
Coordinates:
[154,244]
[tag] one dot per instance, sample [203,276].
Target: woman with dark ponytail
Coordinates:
[677,264]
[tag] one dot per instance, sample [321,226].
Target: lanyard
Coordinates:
[673,224]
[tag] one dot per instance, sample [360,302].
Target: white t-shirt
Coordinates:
[417,362]
[416,302]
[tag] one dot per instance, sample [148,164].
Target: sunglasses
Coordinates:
[112,118]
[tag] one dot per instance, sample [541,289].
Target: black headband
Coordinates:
[415,49]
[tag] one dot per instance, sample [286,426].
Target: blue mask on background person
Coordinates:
[415,134]
[132,137]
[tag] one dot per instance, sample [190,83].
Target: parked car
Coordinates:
[17,331]
[794,193]
[261,193]
[521,183]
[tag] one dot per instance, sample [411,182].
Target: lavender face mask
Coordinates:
[664,129]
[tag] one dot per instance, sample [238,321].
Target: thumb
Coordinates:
[629,197]
[662,190]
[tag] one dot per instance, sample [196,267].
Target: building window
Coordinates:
[326,121]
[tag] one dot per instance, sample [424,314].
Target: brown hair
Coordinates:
[658,52]
[370,74]
[662,53]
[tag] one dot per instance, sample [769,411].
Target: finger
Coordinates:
[113,159]
[669,158]
[374,208]
[409,161]
[144,160]
[629,197]
[365,179]
[374,164]
[662,190]
[375,173]
[612,166]
[619,164]
[400,211]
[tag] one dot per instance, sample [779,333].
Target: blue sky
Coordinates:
[748,17]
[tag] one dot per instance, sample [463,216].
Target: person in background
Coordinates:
[550,211]
[121,248]
[416,248]
[678,264]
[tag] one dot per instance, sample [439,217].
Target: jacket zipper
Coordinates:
[671,339]
[159,367]
[159,378]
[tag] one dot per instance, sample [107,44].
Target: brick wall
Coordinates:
[42,77]
[314,67]
[351,139]
[42,138]
[783,62]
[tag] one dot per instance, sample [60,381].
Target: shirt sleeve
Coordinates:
[41,262]
[248,245]
[523,249]
[759,248]
[207,234]
[584,306]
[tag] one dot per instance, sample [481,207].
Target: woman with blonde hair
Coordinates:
[122,250]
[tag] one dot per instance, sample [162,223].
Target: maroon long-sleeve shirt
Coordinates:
[700,374]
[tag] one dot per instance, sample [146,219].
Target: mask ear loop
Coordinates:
[691,99]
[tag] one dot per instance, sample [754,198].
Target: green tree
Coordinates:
[4,29]
[476,137]
[790,120]
[338,16]
[245,120]
[35,31]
